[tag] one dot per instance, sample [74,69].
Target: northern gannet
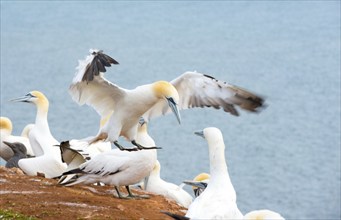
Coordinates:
[125,106]
[218,201]
[199,183]
[48,160]
[189,90]
[6,128]
[20,152]
[116,167]
[155,184]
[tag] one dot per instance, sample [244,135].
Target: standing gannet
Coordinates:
[155,184]
[48,160]
[6,128]
[189,90]
[20,152]
[116,167]
[218,201]
[199,183]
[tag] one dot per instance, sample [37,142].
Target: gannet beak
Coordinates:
[9,144]
[174,108]
[25,98]
[200,133]
[198,184]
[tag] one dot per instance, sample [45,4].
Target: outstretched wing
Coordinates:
[90,87]
[201,90]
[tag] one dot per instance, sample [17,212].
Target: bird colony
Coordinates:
[102,159]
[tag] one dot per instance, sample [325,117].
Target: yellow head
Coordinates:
[202,177]
[6,124]
[40,98]
[165,90]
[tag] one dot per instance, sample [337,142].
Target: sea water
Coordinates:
[286,158]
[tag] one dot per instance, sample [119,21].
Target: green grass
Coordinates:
[8,214]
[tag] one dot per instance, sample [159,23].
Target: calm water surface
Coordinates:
[286,159]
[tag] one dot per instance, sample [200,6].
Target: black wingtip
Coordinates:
[97,65]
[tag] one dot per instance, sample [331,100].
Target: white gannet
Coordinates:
[155,184]
[6,128]
[20,152]
[125,106]
[199,183]
[263,215]
[218,201]
[48,160]
[116,167]
[189,90]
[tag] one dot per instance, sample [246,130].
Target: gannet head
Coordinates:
[263,214]
[165,90]
[17,147]
[35,97]
[199,183]
[211,134]
[6,125]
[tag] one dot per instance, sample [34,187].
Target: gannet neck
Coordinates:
[25,132]
[216,148]
[6,126]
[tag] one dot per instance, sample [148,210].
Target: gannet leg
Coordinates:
[140,147]
[131,195]
[118,193]
[123,148]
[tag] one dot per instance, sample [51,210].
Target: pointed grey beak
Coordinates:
[200,133]
[174,108]
[198,184]
[25,98]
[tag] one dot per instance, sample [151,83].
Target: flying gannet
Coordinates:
[153,183]
[48,160]
[20,152]
[116,167]
[6,128]
[189,90]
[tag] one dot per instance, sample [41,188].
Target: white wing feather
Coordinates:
[98,93]
[200,90]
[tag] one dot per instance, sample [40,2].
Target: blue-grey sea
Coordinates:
[286,159]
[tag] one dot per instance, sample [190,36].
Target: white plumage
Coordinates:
[118,168]
[263,215]
[155,184]
[218,201]
[6,128]
[125,106]
[48,160]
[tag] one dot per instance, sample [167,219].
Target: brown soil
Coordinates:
[44,199]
